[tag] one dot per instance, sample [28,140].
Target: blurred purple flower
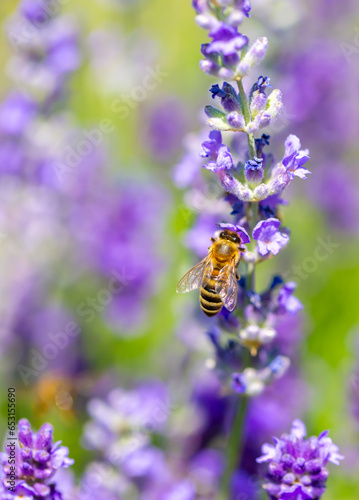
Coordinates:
[121,426]
[36,11]
[164,129]
[198,237]
[120,230]
[101,480]
[188,171]
[333,189]
[286,300]
[50,54]
[273,411]
[16,113]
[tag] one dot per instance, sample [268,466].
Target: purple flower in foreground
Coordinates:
[164,127]
[121,425]
[219,154]
[269,238]
[295,158]
[238,229]
[36,461]
[296,469]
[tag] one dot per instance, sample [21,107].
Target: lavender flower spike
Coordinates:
[36,462]
[297,467]
[269,238]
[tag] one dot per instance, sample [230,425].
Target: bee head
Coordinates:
[231,236]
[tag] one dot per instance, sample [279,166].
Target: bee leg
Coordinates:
[242,249]
[213,240]
[237,277]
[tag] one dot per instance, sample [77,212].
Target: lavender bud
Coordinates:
[217,119]
[230,101]
[42,474]
[279,180]
[209,67]
[275,104]
[42,490]
[25,434]
[236,120]
[313,466]
[44,437]
[254,56]
[253,171]
[272,489]
[41,456]
[299,465]
[260,192]
[287,461]
[234,187]
[226,74]
[321,476]
[258,102]
[263,120]
[276,471]
[288,478]
[27,468]
[306,480]
[26,453]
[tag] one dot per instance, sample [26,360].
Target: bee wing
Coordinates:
[226,286]
[193,279]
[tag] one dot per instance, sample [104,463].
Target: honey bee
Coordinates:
[216,274]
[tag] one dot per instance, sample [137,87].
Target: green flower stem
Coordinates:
[252,216]
[247,118]
[234,446]
[235,438]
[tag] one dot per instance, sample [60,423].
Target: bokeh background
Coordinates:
[120,217]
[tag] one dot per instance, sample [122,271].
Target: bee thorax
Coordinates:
[223,251]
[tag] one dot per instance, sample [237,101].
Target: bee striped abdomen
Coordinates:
[210,301]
